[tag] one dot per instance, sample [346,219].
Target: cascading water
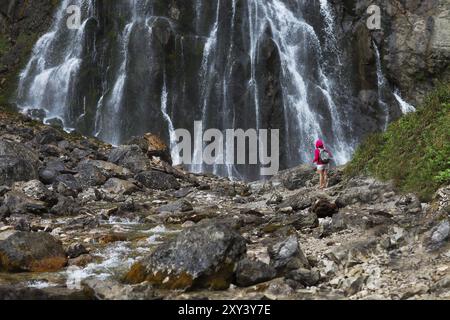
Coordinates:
[383,90]
[47,81]
[172,135]
[382,83]
[139,66]
[404,106]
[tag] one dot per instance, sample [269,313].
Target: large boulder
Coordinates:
[30,252]
[298,201]
[203,256]
[157,148]
[19,203]
[67,185]
[363,190]
[131,157]
[49,136]
[295,178]
[157,180]
[65,206]
[438,235]
[51,171]
[17,163]
[34,189]
[287,255]
[304,220]
[90,175]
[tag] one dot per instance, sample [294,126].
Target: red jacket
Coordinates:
[319,145]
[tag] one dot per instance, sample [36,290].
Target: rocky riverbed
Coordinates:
[83,220]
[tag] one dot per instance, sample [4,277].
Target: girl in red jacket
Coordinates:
[322,158]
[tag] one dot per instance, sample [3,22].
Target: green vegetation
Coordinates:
[415,150]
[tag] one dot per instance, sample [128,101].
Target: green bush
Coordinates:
[414,152]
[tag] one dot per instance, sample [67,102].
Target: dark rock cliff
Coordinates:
[229,64]
[21,24]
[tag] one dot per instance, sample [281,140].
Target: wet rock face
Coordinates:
[287,255]
[202,256]
[17,163]
[32,252]
[415,40]
[17,19]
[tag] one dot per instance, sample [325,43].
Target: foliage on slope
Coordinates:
[415,150]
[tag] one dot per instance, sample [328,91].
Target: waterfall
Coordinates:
[382,85]
[172,136]
[116,99]
[139,66]
[289,33]
[331,42]
[46,83]
[205,75]
[404,106]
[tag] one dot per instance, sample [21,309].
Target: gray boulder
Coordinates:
[67,185]
[287,255]
[203,256]
[49,135]
[157,180]
[30,252]
[304,277]
[65,206]
[131,157]
[107,169]
[17,163]
[249,272]
[34,189]
[90,175]
[19,203]
[296,202]
[304,220]
[177,206]
[118,186]
[438,235]
[295,178]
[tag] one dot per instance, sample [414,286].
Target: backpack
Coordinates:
[324,156]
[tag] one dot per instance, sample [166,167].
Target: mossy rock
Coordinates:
[200,257]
